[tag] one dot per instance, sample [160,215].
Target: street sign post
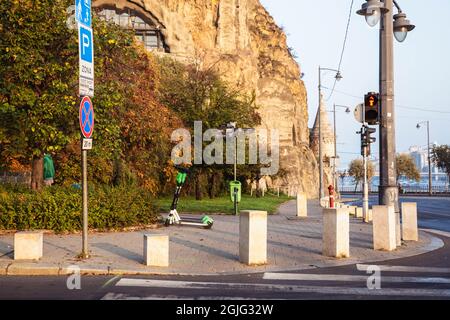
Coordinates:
[86,89]
[86,61]
[86,118]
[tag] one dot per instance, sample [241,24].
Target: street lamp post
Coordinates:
[338,77]
[430,187]
[398,26]
[347,110]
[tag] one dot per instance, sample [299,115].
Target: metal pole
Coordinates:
[365,186]
[365,189]
[85,252]
[388,192]
[430,187]
[321,194]
[335,151]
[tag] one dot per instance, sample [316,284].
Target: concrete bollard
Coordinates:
[156,250]
[384,235]
[253,237]
[409,221]
[28,245]
[302,205]
[352,210]
[359,212]
[370,215]
[336,233]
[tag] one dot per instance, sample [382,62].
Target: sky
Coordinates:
[316,31]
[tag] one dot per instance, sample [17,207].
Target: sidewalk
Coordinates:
[292,244]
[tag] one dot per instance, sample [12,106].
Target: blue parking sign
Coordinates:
[86,44]
[83,12]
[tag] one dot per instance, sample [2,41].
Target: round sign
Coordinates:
[358,113]
[86,117]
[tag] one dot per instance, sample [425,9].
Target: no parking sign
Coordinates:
[86,117]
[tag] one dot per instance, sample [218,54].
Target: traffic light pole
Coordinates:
[365,184]
[388,190]
[365,189]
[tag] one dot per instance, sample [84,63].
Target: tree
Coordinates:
[441,157]
[406,167]
[198,94]
[39,99]
[356,170]
[37,80]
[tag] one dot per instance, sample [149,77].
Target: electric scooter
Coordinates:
[174,218]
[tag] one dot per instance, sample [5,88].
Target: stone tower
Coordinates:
[327,140]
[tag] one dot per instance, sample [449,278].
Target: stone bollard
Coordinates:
[370,215]
[384,235]
[359,212]
[28,245]
[253,237]
[409,221]
[352,210]
[302,205]
[336,233]
[156,250]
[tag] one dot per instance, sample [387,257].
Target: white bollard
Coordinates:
[352,210]
[302,205]
[359,212]
[409,221]
[370,215]
[156,250]
[336,233]
[253,237]
[384,235]
[28,245]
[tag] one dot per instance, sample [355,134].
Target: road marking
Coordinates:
[110,281]
[274,288]
[363,267]
[347,278]
[124,296]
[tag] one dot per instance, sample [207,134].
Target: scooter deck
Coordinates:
[191,219]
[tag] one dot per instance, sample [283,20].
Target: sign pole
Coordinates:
[86,89]
[85,252]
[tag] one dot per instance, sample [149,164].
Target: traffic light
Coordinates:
[371,106]
[366,139]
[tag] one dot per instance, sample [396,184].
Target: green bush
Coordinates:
[60,209]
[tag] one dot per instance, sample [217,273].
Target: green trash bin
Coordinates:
[235,185]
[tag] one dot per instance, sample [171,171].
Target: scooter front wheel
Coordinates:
[208,225]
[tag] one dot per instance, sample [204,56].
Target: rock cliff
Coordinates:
[242,42]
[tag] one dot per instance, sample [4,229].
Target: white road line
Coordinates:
[348,278]
[124,296]
[363,267]
[273,288]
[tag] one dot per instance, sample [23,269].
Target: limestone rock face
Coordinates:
[242,42]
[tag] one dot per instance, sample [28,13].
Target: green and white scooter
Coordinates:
[174,218]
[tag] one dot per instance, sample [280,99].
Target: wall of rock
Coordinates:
[241,40]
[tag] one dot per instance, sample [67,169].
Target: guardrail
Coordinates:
[441,190]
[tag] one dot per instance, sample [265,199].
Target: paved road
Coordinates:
[426,276]
[433,212]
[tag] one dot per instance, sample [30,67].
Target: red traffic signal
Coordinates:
[371,106]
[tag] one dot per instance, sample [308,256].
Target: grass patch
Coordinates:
[224,204]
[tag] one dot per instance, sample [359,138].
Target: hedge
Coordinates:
[59,208]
